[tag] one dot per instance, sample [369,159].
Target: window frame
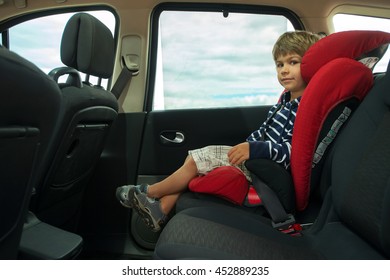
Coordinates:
[222,8]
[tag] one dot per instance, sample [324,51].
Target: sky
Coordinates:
[211,61]
[204,61]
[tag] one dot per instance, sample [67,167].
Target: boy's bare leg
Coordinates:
[169,189]
[175,183]
[167,202]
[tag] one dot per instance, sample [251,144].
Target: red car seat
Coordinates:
[336,84]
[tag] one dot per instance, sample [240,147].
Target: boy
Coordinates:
[273,139]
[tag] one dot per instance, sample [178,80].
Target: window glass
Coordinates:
[344,22]
[39,39]
[206,59]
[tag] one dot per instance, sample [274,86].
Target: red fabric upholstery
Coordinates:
[226,181]
[334,76]
[252,198]
[349,44]
[335,82]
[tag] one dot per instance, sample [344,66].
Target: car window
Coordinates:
[211,59]
[344,22]
[38,39]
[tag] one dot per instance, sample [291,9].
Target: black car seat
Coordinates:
[88,47]
[354,221]
[29,113]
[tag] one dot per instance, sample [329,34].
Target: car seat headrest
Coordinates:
[88,46]
[356,44]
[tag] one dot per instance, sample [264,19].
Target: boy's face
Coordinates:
[288,68]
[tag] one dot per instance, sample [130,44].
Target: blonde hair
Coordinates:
[294,42]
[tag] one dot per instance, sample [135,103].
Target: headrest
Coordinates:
[88,46]
[356,44]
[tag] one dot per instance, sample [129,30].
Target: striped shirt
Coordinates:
[273,139]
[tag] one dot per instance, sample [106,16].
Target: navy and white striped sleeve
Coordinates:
[278,152]
[277,136]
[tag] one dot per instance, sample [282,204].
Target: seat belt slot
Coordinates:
[129,70]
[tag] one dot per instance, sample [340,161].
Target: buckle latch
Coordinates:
[289,226]
[284,224]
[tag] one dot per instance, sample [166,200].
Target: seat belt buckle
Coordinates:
[288,226]
[284,224]
[293,230]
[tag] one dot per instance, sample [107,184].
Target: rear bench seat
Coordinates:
[354,221]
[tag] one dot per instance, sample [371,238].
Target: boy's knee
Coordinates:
[190,161]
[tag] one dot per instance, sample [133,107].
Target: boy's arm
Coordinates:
[278,152]
[239,153]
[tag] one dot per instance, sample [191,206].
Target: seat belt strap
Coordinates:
[280,218]
[124,78]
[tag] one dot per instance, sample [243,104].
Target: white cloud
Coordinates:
[206,55]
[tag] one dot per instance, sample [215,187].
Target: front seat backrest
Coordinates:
[87,46]
[29,111]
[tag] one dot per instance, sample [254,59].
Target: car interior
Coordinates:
[97,95]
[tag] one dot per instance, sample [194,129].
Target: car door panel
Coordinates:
[194,128]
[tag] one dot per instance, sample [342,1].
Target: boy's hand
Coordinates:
[239,153]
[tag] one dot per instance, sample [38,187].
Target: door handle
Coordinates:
[172,137]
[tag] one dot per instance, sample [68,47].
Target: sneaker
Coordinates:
[148,209]
[122,193]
